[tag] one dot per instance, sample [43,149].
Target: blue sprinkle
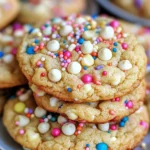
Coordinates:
[64,41]
[121,124]
[125,119]
[56,54]
[43,117]
[1,54]
[30,50]
[85,67]
[46,25]
[114,49]
[87,145]
[115,44]
[12,97]
[85,28]
[69,89]
[102,146]
[31,30]
[81,41]
[99,67]
[94,57]
[36,41]
[53,119]
[94,16]
[108,131]
[126,101]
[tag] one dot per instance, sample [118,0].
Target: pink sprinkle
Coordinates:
[87,148]
[104,73]
[113,127]
[41,44]
[61,55]
[67,54]
[62,64]
[129,104]
[41,120]
[81,124]
[14,51]
[111,112]
[79,132]
[43,27]
[21,131]
[87,78]
[124,46]
[144,124]
[66,65]
[55,132]
[68,60]
[114,23]
[17,123]
[38,63]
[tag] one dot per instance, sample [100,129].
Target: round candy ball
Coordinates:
[68,128]
[87,78]
[55,132]
[19,107]
[102,146]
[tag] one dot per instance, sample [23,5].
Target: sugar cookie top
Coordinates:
[77,58]
[10,39]
[34,128]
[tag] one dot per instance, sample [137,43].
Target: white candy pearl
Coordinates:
[103,127]
[71,115]
[8,58]
[61,120]
[125,65]
[68,128]
[23,120]
[54,75]
[71,47]
[43,127]
[66,30]
[53,45]
[80,20]
[104,54]
[39,112]
[89,34]
[47,30]
[107,33]
[53,101]
[74,67]
[87,47]
[24,96]
[87,88]
[87,60]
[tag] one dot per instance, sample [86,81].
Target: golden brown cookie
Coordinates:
[97,112]
[34,128]
[8,11]
[33,11]
[136,7]
[10,39]
[79,59]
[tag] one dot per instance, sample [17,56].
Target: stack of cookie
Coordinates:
[87,78]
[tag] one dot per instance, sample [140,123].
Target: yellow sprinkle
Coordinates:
[19,107]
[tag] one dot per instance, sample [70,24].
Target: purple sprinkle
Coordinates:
[99,67]
[17,26]
[30,111]
[41,66]
[138,3]
[64,61]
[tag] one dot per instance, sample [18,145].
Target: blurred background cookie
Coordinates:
[8,11]
[34,10]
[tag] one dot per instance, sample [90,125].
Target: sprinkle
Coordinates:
[114,49]
[99,67]
[144,124]
[30,50]
[1,54]
[85,67]
[43,74]
[87,78]
[21,131]
[81,41]
[36,41]
[124,46]
[69,89]
[113,127]
[115,44]
[101,146]
[112,112]
[104,73]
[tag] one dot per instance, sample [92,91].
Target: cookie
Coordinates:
[33,11]
[81,59]
[10,39]
[8,11]
[34,128]
[97,112]
[136,7]
[143,36]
